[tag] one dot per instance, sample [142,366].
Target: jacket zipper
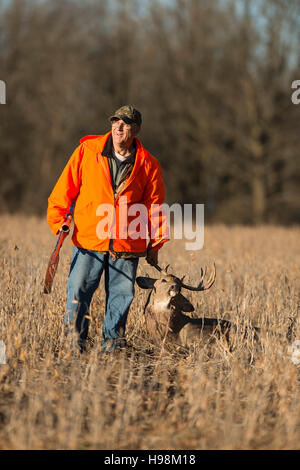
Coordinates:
[113,253]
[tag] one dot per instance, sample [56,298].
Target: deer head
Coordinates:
[166,291]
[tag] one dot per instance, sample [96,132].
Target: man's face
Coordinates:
[123,133]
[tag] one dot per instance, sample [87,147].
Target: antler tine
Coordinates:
[212,278]
[203,274]
[165,270]
[202,286]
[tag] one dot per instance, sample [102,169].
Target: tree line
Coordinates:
[212,79]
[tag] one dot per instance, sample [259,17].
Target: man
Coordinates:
[105,178]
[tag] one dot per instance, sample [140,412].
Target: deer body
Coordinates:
[175,326]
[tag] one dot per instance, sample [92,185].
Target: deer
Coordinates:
[164,317]
[166,321]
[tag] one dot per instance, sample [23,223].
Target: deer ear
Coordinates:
[145,282]
[183,303]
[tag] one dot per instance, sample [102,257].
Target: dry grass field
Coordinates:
[149,397]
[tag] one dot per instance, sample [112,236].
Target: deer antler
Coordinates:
[161,270]
[165,270]
[202,285]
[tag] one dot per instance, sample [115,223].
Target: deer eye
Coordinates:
[163,280]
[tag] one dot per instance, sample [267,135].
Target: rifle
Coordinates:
[54,258]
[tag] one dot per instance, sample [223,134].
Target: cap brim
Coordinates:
[124,118]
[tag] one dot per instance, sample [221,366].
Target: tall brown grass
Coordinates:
[150,398]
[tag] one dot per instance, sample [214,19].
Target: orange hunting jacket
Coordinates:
[86,181]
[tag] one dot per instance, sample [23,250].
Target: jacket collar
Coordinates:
[105,147]
[108,149]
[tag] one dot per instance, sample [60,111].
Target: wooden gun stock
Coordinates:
[54,258]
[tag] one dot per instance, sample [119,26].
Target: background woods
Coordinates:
[212,79]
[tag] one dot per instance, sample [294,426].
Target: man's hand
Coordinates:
[152,256]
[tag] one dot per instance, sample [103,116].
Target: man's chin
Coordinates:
[119,139]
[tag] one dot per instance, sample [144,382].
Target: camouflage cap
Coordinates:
[128,114]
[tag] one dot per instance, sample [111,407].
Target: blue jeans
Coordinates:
[86,269]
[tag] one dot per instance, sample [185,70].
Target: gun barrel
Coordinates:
[65,228]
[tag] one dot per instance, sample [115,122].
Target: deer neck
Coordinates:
[162,307]
[170,315]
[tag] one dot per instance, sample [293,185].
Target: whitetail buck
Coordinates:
[166,321]
[164,309]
